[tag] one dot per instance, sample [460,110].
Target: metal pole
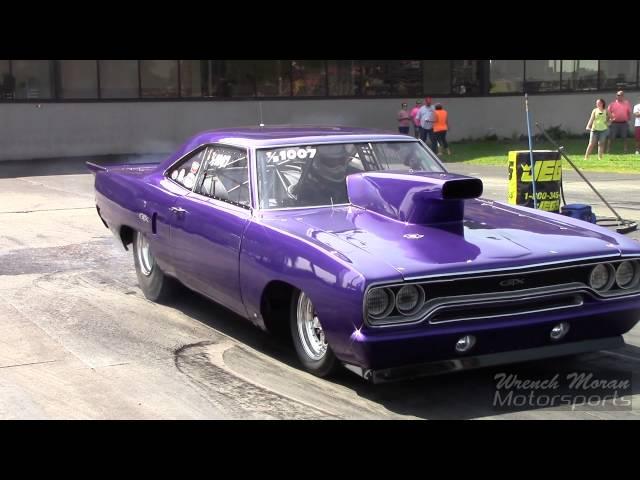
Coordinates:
[531,161]
[561,150]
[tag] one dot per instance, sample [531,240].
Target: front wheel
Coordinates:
[155,285]
[308,338]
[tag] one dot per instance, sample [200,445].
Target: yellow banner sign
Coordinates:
[548,175]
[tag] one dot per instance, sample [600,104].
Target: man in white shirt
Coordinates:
[636,115]
[426,116]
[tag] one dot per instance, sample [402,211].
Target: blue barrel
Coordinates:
[580,211]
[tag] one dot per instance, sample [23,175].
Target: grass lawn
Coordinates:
[488,152]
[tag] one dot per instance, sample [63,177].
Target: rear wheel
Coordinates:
[308,338]
[155,285]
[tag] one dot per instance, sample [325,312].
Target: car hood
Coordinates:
[492,236]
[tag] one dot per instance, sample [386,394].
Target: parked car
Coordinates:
[369,252]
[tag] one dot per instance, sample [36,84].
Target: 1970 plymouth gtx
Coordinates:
[361,245]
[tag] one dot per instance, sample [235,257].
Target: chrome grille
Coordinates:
[461,309]
[505,293]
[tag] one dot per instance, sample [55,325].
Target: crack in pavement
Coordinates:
[49,187]
[55,340]
[30,363]
[49,210]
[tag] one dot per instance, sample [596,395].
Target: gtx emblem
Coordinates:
[512,282]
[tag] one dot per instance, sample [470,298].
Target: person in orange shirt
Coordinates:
[440,128]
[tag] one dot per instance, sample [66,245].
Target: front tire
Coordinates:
[308,338]
[155,285]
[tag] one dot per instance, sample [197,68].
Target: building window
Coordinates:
[579,74]
[232,78]
[218,84]
[344,78]
[436,77]
[309,78]
[273,78]
[506,76]
[375,78]
[118,78]
[542,75]
[406,78]
[7,81]
[33,78]
[228,79]
[466,78]
[78,79]
[191,78]
[159,78]
[617,74]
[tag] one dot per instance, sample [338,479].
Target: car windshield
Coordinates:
[315,175]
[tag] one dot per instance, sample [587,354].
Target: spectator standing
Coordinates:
[404,120]
[598,125]
[426,116]
[636,114]
[620,114]
[440,128]
[415,121]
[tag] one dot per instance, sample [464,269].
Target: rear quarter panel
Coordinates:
[139,199]
[117,199]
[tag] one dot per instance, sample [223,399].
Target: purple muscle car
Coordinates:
[361,245]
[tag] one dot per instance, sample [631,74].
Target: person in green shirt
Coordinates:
[598,125]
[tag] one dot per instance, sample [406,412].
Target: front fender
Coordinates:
[334,285]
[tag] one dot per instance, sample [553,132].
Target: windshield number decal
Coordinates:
[285,154]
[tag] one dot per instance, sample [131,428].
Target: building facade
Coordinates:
[56,108]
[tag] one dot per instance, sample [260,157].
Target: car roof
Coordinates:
[274,135]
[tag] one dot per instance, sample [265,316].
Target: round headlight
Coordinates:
[379,302]
[627,275]
[601,277]
[409,299]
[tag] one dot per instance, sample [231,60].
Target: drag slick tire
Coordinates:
[155,285]
[308,338]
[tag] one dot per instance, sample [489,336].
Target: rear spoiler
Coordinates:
[95,168]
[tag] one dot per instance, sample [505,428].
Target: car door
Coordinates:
[160,195]
[208,224]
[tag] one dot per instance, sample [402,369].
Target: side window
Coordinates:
[404,156]
[225,175]
[186,172]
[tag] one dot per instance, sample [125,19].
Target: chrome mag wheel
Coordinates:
[309,329]
[145,257]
